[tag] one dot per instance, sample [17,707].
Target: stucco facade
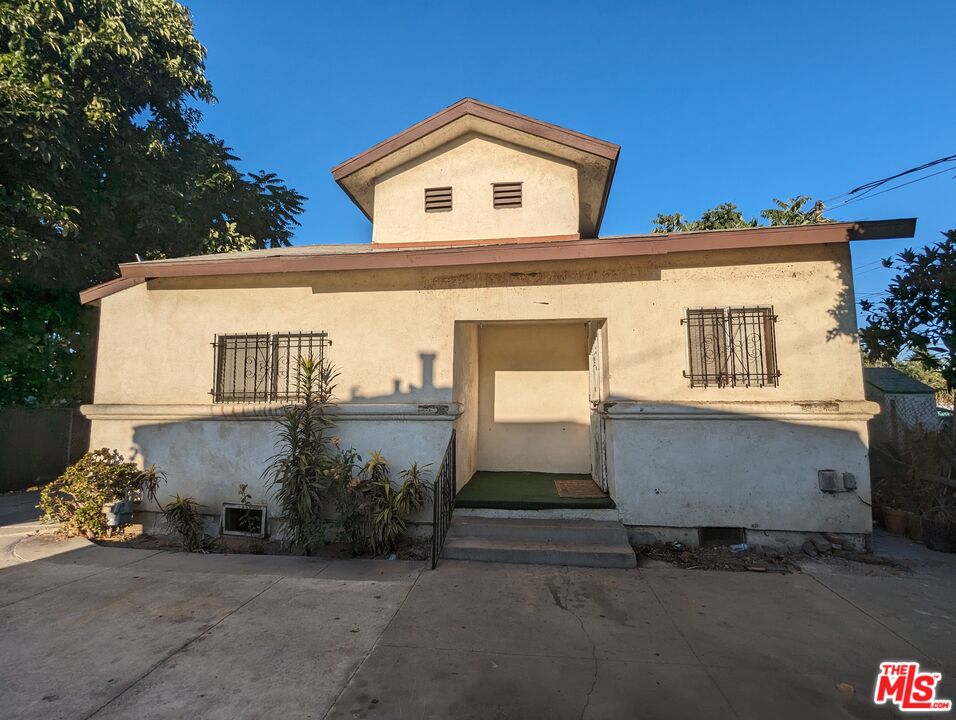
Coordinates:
[470,166]
[679,455]
[506,352]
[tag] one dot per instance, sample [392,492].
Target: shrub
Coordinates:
[388,507]
[76,498]
[302,473]
[350,501]
[183,516]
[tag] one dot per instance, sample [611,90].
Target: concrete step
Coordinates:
[593,532]
[589,543]
[536,553]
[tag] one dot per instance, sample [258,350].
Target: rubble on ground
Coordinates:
[740,558]
[824,548]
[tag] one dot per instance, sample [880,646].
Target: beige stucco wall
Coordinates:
[533,411]
[465,393]
[155,349]
[470,165]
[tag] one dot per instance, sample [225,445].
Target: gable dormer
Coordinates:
[477,172]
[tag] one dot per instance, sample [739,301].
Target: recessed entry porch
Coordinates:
[530,436]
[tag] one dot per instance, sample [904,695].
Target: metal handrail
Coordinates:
[443,499]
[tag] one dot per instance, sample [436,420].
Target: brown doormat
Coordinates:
[578,489]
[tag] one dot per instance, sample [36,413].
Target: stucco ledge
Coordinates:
[270,411]
[790,411]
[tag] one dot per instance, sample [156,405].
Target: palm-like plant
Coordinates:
[388,506]
[303,470]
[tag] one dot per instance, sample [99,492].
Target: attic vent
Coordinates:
[438,199]
[507,195]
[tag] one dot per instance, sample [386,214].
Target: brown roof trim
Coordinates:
[470,106]
[624,246]
[108,288]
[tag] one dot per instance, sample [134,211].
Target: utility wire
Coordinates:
[866,187]
[870,194]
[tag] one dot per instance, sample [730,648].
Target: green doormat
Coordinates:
[525,491]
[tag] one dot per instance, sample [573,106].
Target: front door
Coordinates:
[597,394]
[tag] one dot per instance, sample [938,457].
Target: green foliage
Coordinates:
[916,320]
[101,476]
[350,501]
[388,507]
[372,511]
[101,157]
[303,471]
[183,516]
[791,212]
[727,216]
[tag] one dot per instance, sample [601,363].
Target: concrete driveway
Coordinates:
[93,632]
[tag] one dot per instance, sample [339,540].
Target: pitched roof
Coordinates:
[309,258]
[595,158]
[895,382]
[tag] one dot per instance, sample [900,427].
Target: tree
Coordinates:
[916,319]
[101,158]
[727,216]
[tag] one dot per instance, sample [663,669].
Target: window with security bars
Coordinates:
[263,367]
[506,195]
[731,347]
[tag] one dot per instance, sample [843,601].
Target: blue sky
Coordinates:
[710,101]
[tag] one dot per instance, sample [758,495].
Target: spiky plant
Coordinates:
[388,506]
[183,516]
[302,472]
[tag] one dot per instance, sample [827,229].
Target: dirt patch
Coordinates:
[752,558]
[408,548]
[738,559]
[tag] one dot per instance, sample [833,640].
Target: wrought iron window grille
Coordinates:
[263,367]
[731,347]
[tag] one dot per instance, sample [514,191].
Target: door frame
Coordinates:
[597,395]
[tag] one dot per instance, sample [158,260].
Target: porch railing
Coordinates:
[443,499]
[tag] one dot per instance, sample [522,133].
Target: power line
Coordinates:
[866,187]
[870,194]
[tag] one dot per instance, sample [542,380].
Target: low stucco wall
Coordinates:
[206,456]
[746,465]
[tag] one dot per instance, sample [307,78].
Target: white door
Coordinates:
[597,395]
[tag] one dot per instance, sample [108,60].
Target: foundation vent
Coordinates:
[507,195]
[438,199]
[243,520]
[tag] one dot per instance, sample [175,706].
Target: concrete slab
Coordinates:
[537,610]
[373,570]
[235,564]
[790,623]
[287,653]
[758,695]
[24,580]
[70,650]
[425,683]
[108,633]
[918,609]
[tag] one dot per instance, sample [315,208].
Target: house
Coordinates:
[709,383]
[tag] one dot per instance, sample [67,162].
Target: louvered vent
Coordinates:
[438,199]
[507,195]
